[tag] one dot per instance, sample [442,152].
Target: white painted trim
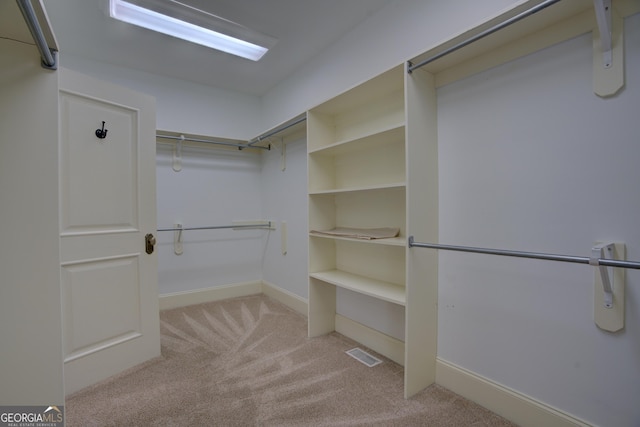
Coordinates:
[199,296]
[377,341]
[291,300]
[510,404]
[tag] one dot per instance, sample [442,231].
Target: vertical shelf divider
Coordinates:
[421,333]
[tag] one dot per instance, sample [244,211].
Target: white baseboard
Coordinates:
[510,404]
[377,341]
[289,299]
[199,296]
[384,344]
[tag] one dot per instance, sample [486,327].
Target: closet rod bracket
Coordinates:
[608,286]
[176,161]
[409,67]
[608,53]
[178,248]
[602,10]
[604,251]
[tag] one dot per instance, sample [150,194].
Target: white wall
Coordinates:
[530,159]
[214,187]
[398,32]
[183,106]
[284,198]
[30,317]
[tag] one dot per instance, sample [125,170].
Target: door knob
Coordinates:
[149,243]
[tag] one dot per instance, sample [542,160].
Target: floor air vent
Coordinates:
[364,357]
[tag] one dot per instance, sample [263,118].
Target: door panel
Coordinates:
[90,291]
[92,166]
[107,205]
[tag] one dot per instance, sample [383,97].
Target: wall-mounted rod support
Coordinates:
[535,255]
[210,141]
[176,160]
[602,10]
[598,252]
[483,34]
[49,56]
[178,248]
[276,131]
[260,225]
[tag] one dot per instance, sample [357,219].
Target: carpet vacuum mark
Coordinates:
[248,362]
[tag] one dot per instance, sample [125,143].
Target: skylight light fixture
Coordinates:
[188,23]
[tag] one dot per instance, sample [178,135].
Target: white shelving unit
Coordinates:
[358,155]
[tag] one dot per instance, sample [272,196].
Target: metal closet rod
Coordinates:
[249,144]
[218,227]
[535,255]
[276,131]
[209,141]
[49,56]
[483,34]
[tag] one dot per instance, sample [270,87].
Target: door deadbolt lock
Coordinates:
[149,243]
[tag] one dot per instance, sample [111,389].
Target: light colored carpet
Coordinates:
[248,362]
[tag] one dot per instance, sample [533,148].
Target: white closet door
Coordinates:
[107,207]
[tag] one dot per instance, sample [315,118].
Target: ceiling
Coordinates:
[304,28]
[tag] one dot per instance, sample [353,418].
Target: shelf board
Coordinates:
[392,241]
[369,140]
[360,188]
[375,288]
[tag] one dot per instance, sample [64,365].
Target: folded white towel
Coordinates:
[360,233]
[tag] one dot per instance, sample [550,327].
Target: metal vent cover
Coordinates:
[364,357]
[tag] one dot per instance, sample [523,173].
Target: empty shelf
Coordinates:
[375,288]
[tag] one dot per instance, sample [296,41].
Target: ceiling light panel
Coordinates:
[185,22]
